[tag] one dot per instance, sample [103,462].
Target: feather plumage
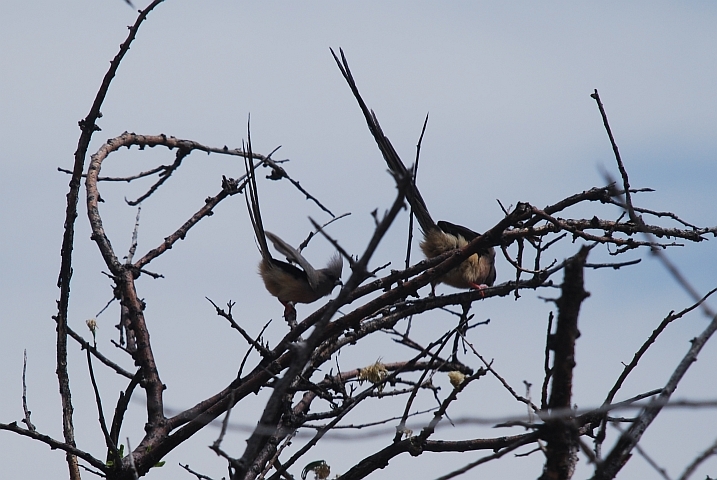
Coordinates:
[284,280]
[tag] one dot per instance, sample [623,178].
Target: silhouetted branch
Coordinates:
[561,434]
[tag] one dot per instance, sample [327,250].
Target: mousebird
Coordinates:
[284,280]
[478,270]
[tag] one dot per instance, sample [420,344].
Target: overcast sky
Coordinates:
[507,88]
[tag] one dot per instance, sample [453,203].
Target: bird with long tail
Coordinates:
[478,270]
[286,281]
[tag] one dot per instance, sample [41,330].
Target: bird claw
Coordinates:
[480,287]
[290,314]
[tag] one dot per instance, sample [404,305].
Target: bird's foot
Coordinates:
[480,287]
[290,314]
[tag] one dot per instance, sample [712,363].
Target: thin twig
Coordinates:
[413,179]
[111,446]
[434,358]
[55,444]
[196,474]
[135,232]
[335,244]
[614,266]
[251,348]
[218,442]
[548,372]
[690,469]
[26,410]
[641,451]
[306,241]
[529,438]
[92,349]
[163,177]
[620,165]
[505,384]
[671,317]
[228,316]
[369,424]
[122,405]
[627,441]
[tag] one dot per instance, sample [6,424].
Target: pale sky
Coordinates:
[511,118]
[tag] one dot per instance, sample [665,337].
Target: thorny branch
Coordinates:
[87,126]
[381,312]
[288,368]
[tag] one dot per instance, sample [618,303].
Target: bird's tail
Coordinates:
[252,202]
[394,162]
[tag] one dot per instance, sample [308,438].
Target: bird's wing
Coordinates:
[293,255]
[454,229]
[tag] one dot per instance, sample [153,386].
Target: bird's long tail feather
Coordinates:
[252,202]
[394,162]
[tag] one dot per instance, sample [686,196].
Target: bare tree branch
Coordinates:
[87,127]
[561,434]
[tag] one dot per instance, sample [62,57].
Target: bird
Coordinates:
[284,280]
[475,272]
[478,270]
